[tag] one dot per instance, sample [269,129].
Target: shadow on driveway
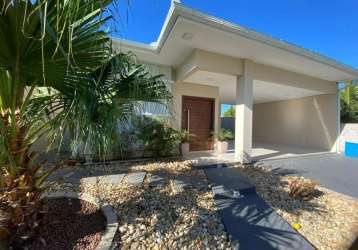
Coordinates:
[332,171]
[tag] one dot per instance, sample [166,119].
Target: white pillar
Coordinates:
[243,114]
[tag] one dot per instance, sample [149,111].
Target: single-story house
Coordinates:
[284,95]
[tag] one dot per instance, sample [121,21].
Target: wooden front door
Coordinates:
[198,119]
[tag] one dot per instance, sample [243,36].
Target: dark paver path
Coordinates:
[250,222]
[333,171]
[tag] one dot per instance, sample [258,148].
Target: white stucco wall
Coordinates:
[210,62]
[292,79]
[349,133]
[305,122]
[167,72]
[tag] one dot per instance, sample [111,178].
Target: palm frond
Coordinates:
[94,106]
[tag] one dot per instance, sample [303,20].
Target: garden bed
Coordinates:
[328,221]
[162,216]
[167,217]
[70,224]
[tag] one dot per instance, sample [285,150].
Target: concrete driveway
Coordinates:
[333,171]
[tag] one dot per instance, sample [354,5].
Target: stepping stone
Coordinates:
[76,176]
[229,180]
[115,179]
[136,179]
[253,224]
[90,180]
[158,179]
[181,182]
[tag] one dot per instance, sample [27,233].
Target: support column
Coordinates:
[243,114]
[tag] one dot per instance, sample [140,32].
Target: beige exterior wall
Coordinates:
[306,122]
[156,69]
[208,61]
[187,89]
[292,79]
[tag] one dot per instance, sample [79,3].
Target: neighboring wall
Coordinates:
[187,89]
[349,133]
[305,122]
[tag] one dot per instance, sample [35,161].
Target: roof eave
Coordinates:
[178,10]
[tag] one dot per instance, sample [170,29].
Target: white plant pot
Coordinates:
[184,147]
[223,146]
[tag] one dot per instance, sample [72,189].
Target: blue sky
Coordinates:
[328,27]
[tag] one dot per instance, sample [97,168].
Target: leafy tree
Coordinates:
[230,112]
[349,103]
[58,71]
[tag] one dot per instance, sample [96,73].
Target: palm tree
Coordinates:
[57,71]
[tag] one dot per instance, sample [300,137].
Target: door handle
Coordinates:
[188,120]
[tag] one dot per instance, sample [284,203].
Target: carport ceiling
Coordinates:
[263,91]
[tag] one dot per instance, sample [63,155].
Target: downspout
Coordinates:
[338,119]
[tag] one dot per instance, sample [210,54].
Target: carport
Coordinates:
[289,114]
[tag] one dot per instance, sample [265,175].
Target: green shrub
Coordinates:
[158,137]
[185,136]
[225,135]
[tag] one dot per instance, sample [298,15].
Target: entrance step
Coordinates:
[227,181]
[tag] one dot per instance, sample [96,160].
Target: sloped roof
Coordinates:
[219,36]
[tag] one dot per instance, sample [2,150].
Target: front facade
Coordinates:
[285,96]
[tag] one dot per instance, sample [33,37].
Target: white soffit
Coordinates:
[270,92]
[263,91]
[218,36]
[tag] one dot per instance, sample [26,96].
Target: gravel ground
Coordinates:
[329,220]
[76,225]
[163,216]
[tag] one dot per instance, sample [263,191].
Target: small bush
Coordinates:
[225,135]
[158,137]
[302,188]
[185,136]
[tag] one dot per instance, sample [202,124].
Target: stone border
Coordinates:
[107,210]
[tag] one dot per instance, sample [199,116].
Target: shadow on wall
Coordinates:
[323,122]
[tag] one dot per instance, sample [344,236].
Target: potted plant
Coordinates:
[223,137]
[185,139]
